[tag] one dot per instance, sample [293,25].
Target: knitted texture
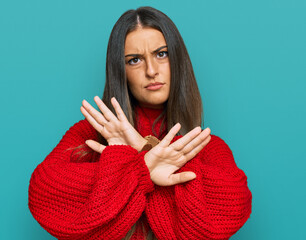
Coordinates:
[103,199]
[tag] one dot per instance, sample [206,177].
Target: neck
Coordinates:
[158,106]
[149,121]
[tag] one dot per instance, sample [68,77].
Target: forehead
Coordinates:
[143,39]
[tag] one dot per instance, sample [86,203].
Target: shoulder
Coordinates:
[81,125]
[81,129]
[216,144]
[217,153]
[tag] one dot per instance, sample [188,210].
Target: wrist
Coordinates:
[148,162]
[151,142]
[140,144]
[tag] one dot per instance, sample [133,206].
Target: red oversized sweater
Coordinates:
[103,199]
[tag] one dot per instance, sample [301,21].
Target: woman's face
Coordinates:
[147,67]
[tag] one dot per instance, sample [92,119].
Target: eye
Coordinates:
[162,54]
[133,61]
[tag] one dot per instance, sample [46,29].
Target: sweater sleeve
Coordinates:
[215,205]
[83,200]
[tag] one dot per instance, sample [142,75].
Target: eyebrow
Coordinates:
[155,51]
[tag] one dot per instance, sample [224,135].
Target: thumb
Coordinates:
[181,177]
[97,147]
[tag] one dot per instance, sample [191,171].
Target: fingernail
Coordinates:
[193,175]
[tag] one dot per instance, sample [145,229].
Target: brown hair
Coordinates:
[184,104]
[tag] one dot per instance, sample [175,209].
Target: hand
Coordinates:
[115,129]
[165,158]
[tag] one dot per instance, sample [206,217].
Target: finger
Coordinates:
[181,177]
[108,114]
[171,134]
[120,114]
[196,141]
[94,113]
[97,147]
[197,149]
[91,120]
[182,142]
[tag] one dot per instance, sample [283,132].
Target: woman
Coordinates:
[111,177]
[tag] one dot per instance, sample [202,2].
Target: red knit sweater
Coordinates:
[75,199]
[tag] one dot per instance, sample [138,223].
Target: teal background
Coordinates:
[249,60]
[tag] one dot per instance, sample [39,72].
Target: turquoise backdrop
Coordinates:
[249,59]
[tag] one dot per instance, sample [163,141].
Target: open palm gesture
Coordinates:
[115,129]
[166,158]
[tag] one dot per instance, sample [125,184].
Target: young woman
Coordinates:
[141,167]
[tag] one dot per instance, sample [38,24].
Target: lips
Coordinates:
[154,86]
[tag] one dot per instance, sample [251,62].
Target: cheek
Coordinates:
[128,74]
[134,77]
[133,83]
[165,68]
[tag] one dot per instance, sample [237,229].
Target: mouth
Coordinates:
[154,86]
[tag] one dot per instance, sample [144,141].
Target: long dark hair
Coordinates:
[184,104]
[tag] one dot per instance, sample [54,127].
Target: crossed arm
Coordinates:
[105,198]
[213,206]
[162,160]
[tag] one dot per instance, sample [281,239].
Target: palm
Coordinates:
[124,133]
[165,159]
[115,129]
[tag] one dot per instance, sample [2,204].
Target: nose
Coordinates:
[151,68]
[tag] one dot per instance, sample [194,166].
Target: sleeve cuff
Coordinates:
[130,158]
[145,181]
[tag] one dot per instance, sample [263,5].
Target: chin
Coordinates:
[156,105]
